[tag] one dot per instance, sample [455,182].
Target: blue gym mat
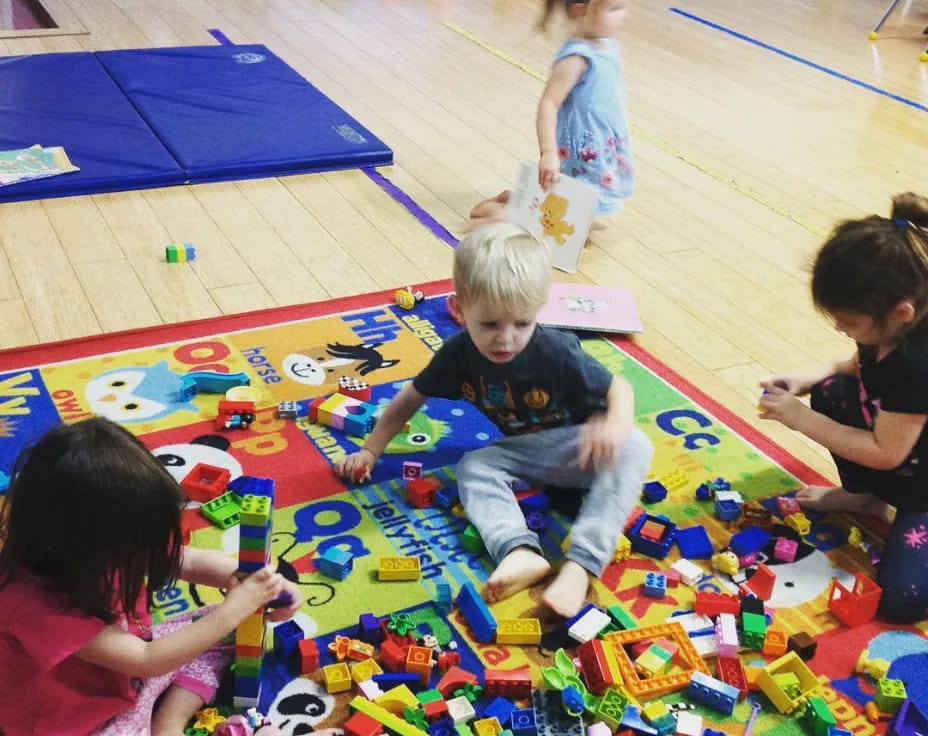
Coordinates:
[229,112]
[157,117]
[69,100]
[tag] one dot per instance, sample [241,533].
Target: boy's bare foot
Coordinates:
[518,570]
[566,594]
[823,498]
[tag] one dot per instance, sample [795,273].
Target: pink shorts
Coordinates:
[201,677]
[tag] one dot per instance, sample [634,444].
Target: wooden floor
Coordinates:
[744,160]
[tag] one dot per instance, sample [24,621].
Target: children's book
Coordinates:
[560,217]
[591,307]
[37,162]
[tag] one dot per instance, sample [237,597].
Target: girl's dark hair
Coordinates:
[552,5]
[93,512]
[870,265]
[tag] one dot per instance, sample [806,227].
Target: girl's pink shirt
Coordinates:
[44,689]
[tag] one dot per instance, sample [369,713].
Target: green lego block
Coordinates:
[428,696]
[754,630]
[248,662]
[788,683]
[621,619]
[252,543]
[889,695]
[256,510]
[817,718]
[172,253]
[224,511]
[611,708]
[252,672]
[462,729]
[471,541]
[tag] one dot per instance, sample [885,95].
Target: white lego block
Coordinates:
[729,496]
[369,689]
[693,622]
[599,729]
[706,645]
[587,627]
[690,573]
[460,710]
[689,724]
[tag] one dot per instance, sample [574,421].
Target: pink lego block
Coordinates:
[785,549]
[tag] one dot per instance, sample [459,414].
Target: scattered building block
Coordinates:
[399,568]
[690,573]
[712,693]
[889,695]
[337,678]
[855,606]
[784,549]
[587,624]
[694,543]
[476,613]
[205,482]
[519,631]
[335,563]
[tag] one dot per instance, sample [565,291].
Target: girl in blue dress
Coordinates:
[582,120]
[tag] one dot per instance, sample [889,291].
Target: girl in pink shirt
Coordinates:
[90,530]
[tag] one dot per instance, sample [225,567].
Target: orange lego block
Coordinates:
[651,687]
[652,530]
[419,661]
[775,643]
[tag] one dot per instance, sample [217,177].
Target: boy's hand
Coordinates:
[356,467]
[794,385]
[782,406]
[598,442]
[254,592]
[549,169]
[282,613]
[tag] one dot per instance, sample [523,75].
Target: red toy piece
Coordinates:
[309,656]
[712,604]
[392,655]
[636,512]
[673,578]
[435,710]
[731,671]
[510,683]
[205,482]
[314,407]
[856,606]
[595,666]
[788,505]
[454,679]
[761,582]
[421,491]
[355,388]
[447,660]
[362,725]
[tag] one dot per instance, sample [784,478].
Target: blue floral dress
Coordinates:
[592,124]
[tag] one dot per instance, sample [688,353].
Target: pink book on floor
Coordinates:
[591,307]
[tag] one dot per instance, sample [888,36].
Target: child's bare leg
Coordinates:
[566,594]
[836,498]
[519,569]
[176,709]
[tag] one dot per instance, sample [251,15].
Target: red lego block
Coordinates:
[314,407]
[509,683]
[362,725]
[731,670]
[595,666]
[309,656]
[355,388]
[761,582]
[787,506]
[421,491]
[447,660]
[652,530]
[712,604]
[633,517]
[856,606]
[435,710]
[392,655]
[404,641]
[235,407]
[453,679]
[673,578]
[205,482]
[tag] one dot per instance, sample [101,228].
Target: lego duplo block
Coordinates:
[788,683]
[598,729]
[694,543]
[246,485]
[587,624]
[460,710]
[787,505]
[327,411]
[523,722]
[775,643]
[337,678]
[599,671]
[712,693]
[179,252]
[752,539]
[205,482]
[369,629]
[397,699]
[784,549]
[761,582]
[889,695]
[712,604]
[675,480]
[224,511]
[471,541]
[476,613]
[256,511]
[385,718]
[365,670]
[788,663]
[908,721]
[652,531]
[726,635]
[355,388]
[455,679]
[816,717]
[753,514]
[652,548]
[654,661]
[399,568]
[689,724]
[689,572]
[799,523]
[335,563]
[835,731]
[550,717]
[623,549]
[518,631]
[486,727]
[611,707]
[309,656]
[421,491]
[287,636]
[362,725]
[392,655]
[655,585]
[731,671]
[419,661]
[500,709]
[726,510]
[653,491]
[855,606]
[508,683]
[753,630]
[411,470]
[620,618]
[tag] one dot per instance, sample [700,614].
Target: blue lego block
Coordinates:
[713,732]
[908,721]
[721,484]
[335,563]
[705,492]
[657,550]
[712,693]
[727,510]
[523,722]
[476,613]
[210,382]
[246,687]
[369,629]
[246,484]
[447,496]
[537,501]
[835,731]
[500,709]
[694,543]
[444,727]
[655,585]
[4,482]
[536,521]
[250,531]
[631,718]
[752,539]
[653,491]
[287,636]
[250,567]
[388,680]
[580,614]
[443,598]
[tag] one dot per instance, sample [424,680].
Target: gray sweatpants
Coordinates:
[545,459]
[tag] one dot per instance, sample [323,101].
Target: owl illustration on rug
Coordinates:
[137,393]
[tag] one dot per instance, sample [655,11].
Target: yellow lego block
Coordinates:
[799,523]
[327,407]
[789,663]
[487,727]
[250,632]
[365,670]
[337,677]
[399,568]
[654,710]
[675,481]
[752,674]
[385,717]
[396,699]
[518,631]
[623,549]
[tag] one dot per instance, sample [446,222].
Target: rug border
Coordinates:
[35,356]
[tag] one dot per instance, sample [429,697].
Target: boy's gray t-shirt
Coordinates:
[551,383]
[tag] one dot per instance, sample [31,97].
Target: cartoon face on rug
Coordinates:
[136,393]
[800,581]
[423,435]
[300,706]
[211,449]
[318,366]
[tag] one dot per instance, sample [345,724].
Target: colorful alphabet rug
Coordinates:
[298,353]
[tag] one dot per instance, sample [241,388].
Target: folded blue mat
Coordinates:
[69,100]
[228,112]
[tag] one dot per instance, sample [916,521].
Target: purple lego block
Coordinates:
[536,521]
[908,721]
[369,629]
